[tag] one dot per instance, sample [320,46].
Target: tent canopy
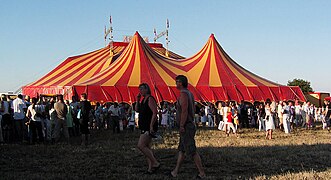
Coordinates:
[77,69]
[137,64]
[216,76]
[213,76]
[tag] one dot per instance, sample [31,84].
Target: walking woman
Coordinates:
[269,121]
[148,125]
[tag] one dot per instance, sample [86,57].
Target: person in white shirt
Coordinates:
[225,111]
[286,117]
[19,107]
[219,114]
[269,119]
[114,111]
[52,123]
[304,113]
[35,119]
[280,114]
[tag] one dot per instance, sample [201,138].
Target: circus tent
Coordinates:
[137,64]
[79,68]
[215,76]
[212,74]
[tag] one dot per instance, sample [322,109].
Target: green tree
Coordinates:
[303,84]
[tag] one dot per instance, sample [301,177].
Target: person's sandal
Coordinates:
[154,169]
[200,177]
[171,175]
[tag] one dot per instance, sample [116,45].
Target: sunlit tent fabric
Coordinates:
[79,68]
[137,64]
[217,77]
[212,74]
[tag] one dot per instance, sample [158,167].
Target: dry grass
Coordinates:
[301,155]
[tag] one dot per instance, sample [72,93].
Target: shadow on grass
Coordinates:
[247,162]
[115,156]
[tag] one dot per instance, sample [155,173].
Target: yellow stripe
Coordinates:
[113,67]
[79,69]
[107,63]
[87,74]
[164,75]
[135,74]
[192,59]
[172,68]
[259,79]
[214,77]
[247,73]
[66,66]
[240,76]
[113,80]
[116,51]
[162,52]
[195,72]
[253,76]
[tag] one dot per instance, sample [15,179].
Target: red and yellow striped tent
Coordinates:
[119,82]
[217,77]
[79,68]
[212,74]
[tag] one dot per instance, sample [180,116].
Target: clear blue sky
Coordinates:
[279,40]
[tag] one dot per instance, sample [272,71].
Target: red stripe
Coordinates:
[84,62]
[64,63]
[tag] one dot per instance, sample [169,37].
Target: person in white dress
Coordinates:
[286,118]
[164,121]
[225,111]
[269,120]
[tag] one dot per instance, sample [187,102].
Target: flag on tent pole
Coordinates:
[105,33]
[167,23]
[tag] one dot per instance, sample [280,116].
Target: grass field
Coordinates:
[304,154]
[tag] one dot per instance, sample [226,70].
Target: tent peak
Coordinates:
[212,35]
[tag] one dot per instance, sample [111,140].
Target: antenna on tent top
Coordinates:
[163,33]
[109,31]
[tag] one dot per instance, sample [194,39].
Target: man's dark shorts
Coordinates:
[186,140]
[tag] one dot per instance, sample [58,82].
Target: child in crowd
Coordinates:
[229,124]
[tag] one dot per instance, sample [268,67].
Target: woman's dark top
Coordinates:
[85,112]
[85,109]
[145,116]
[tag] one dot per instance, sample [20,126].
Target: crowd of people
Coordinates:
[42,120]
[46,119]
